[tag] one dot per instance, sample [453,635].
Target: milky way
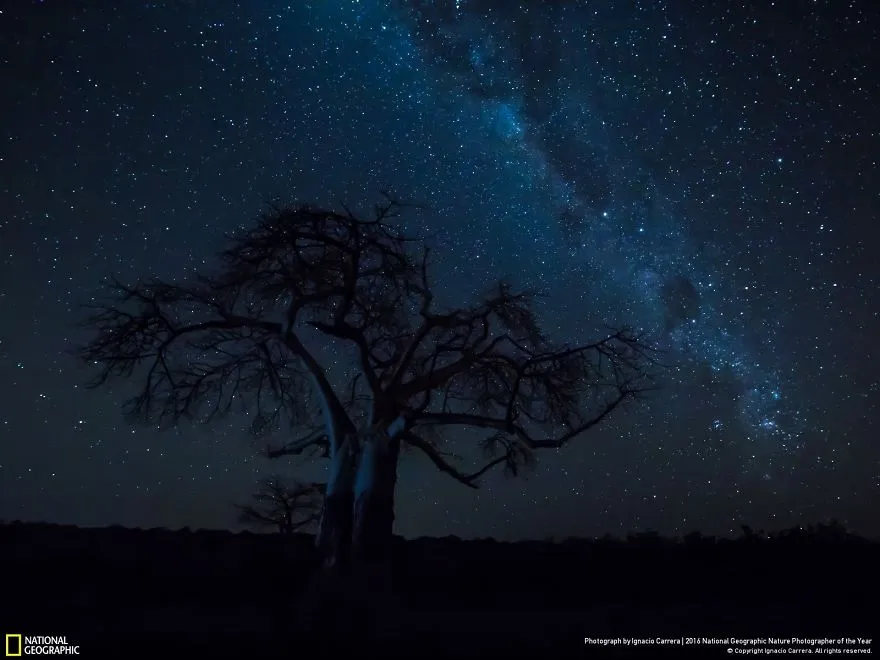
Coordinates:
[706,173]
[531,71]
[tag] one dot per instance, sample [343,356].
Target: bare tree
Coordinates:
[405,374]
[288,506]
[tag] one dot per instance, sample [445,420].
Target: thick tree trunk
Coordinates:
[335,528]
[337,517]
[374,499]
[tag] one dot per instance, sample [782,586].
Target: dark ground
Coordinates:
[145,592]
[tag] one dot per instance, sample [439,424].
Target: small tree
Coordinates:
[288,506]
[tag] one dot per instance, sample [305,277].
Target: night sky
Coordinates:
[706,171]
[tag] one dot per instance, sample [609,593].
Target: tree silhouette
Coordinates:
[289,507]
[399,371]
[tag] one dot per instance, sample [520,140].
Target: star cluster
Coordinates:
[707,174]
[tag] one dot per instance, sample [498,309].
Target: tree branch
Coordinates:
[437,459]
[317,438]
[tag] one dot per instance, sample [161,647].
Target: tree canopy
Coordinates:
[289,506]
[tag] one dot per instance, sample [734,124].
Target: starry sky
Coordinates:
[705,171]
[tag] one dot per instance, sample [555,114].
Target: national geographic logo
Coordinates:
[19,645]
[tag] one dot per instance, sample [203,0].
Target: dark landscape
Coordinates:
[373,279]
[251,595]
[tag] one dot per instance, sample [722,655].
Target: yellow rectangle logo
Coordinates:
[13,646]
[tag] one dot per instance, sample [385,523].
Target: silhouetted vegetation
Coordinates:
[483,375]
[288,506]
[227,593]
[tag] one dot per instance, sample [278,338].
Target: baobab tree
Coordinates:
[285,505]
[249,335]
